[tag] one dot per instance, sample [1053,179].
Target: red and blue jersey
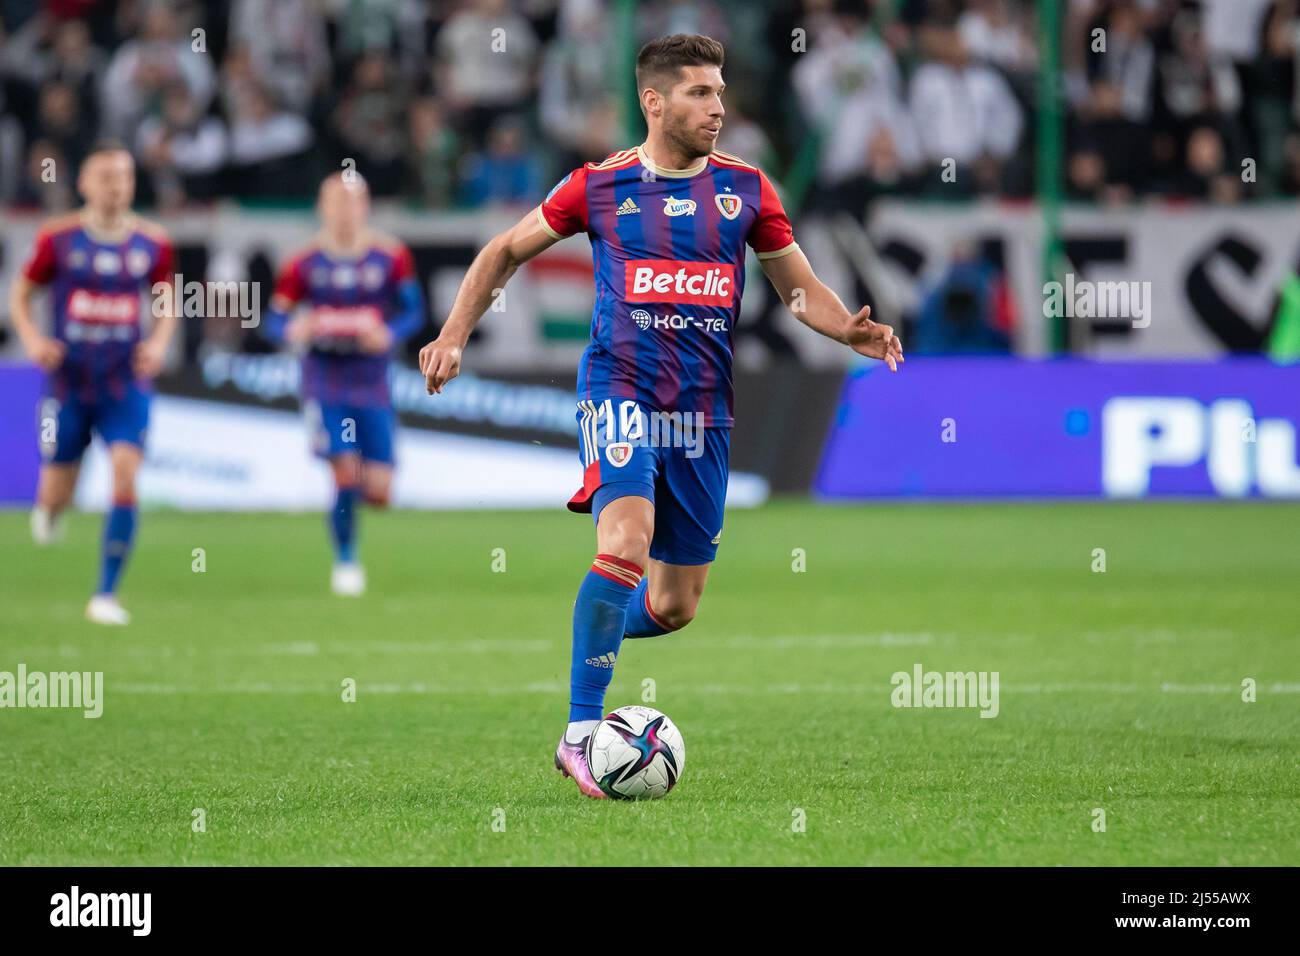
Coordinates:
[668,249]
[345,296]
[95,290]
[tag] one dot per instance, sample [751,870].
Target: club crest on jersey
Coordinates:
[619,453]
[137,262]
[728,205]
[678,207]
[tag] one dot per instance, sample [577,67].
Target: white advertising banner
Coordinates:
[215,456]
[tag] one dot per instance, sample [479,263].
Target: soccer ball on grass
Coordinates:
[636,753]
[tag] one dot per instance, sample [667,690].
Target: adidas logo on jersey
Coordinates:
[628,207]
[604,660]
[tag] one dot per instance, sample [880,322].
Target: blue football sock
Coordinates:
[119,529]
[343,525]
[641,621]
[599,619]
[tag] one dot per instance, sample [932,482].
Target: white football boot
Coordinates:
[348,579]
[47,529]
[104,609]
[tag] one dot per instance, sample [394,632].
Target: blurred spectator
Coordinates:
[995,32]
[1289,182]
[1274,100]
[963,111]
[61,123]
[1126,60]
[505,173]
[1209,174]
[181,150]
[485,66]
[1108,159]
[46,50]
[576,99]
[43,186]
[849,87]
[364,26]
[286,45]
[266,144]
[434,148]
[1166,99]
[968,310]
[369,124]
[142,68]
[681,16]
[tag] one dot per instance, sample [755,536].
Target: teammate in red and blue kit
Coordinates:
[95,264]
[360,298]
[669,222]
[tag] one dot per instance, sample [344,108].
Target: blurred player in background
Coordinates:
[360,298]
[98,359]
[669,222]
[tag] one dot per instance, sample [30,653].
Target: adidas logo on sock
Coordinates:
[628,207]
[604,660]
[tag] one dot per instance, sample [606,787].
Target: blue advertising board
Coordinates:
[20,458]
[995,427]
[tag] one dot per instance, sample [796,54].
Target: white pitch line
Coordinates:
[556,687]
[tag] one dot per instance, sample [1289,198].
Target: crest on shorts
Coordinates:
[728,205]
[619,453]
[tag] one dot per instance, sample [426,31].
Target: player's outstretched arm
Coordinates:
[40,348]
[817,306]
[487,276]
[151,351]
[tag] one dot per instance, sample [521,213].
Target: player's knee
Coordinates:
[628,542]
[124,484]
[675,613]
[625,537]
[377,485]
[347,471]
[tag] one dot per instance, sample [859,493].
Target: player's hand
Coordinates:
[375,339]
[300,330]
[147,361]
[874,340]
[46,352]
[439,363]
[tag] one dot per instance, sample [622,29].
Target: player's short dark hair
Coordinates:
[660,61]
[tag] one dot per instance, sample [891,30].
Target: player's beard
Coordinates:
[687,140]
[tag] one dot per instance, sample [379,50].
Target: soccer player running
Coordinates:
[668,223]
[361,299]
[98,359]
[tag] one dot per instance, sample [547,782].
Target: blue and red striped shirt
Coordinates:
[668,248]
[345,295]
[95,293]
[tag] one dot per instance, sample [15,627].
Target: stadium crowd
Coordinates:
[255,99]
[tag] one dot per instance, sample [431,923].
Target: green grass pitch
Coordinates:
[1119,690]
